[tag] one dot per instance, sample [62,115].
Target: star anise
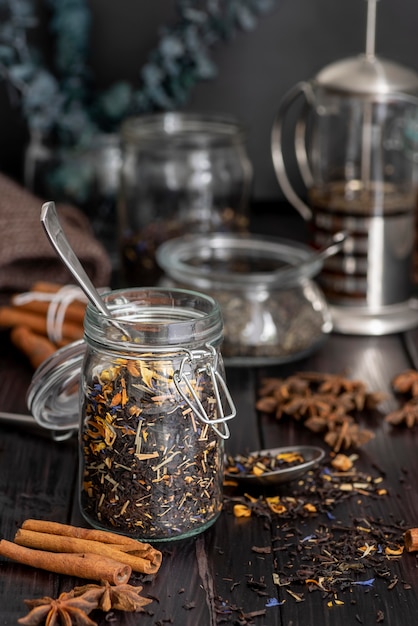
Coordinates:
[283,389]
[406,382]
[266,404]
[318,405]
[407,414]
[118,597]
[64,611]
[318,423]
[347,435]
[323,402]
[301,406]
[333,383]
[345,389]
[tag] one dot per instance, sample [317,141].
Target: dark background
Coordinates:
[255,69]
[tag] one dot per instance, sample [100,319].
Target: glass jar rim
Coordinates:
[181,125]
[295,260]
[155,318]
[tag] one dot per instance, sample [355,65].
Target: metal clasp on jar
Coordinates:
[188,366]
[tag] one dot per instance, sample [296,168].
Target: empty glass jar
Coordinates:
[181,173]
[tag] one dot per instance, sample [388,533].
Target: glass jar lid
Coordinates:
[53,394]
[245,261]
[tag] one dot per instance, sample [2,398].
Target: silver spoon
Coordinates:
[331,247]
[311,455]
[56,235]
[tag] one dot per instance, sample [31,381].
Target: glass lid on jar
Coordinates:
[53,394]
[244,260]
[272,310]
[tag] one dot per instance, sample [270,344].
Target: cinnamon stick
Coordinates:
[11,316]
[46,287]
[411,540]
[35,347]
[56,528]
[65,544]
[123,543]
[88,566]
[74,311]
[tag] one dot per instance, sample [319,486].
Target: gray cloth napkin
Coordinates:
[26,254]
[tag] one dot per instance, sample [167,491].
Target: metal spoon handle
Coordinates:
[315,259]
[52,226]
[333,246]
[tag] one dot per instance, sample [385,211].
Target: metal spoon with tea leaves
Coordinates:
[56,235]
[272,466]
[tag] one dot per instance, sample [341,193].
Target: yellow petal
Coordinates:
[311,508]
[241,510]
[394,552]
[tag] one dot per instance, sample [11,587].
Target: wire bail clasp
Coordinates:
[182,376]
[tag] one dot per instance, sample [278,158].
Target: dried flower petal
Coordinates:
[364,583]
[394,551]
[342,463]
[241,510]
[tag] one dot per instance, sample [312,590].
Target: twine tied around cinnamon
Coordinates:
[46,318]
[58,303]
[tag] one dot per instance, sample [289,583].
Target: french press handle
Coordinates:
[300,89]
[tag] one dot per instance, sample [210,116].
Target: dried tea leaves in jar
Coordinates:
[152,469]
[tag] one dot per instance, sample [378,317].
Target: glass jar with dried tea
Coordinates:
[154,414]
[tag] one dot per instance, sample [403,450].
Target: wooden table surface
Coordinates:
[226,574]
[38,478]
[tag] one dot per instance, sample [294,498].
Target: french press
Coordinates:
[356,147]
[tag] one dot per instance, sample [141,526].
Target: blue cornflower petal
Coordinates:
[273,602]
[365,583]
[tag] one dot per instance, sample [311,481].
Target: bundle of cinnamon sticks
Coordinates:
[80,552]
[44,319]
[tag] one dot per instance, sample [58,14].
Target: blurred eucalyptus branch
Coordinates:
[61,101]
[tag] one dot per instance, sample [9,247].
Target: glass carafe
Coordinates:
[356,148]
